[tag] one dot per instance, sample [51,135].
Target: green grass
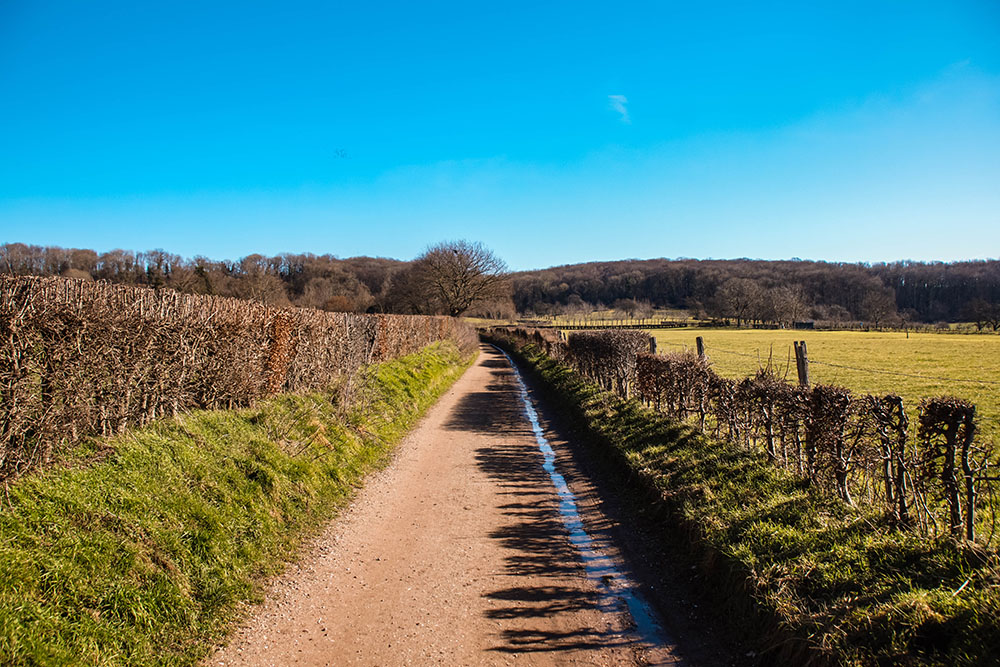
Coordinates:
[964,359]
[832,583]
[141,549]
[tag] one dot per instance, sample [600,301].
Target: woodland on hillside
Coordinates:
[324,282]
[761,291]
[741,290]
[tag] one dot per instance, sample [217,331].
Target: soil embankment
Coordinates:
[456,554]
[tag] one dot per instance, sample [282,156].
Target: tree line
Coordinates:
[778,292]
[460,277]
[449,278]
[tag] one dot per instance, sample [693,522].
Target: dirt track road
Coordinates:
[457,554]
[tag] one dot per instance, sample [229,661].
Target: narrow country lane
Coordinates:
[458,554]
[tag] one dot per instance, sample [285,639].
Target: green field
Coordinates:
[967,366]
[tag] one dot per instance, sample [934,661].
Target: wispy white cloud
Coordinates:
[618,103]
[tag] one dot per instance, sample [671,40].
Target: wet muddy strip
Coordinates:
[619,593]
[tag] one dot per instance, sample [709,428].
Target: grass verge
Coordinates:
[819,581]
[140,549]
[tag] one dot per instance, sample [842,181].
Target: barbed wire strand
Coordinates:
[983,418]
[855,368]
[912,375]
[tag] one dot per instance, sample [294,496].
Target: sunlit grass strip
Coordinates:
[834,584]
[141,550]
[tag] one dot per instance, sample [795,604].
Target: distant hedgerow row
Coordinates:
[858,448]
[81,358]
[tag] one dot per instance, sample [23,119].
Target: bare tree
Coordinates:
[494,309]
[739,298]
[626,307]
[982,313]
[258,283]
[406,293]
[784,304]
[878,306]
[460,274]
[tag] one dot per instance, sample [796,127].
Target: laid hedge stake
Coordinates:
[802,362]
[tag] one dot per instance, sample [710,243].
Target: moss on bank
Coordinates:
[141,549]
[826,583]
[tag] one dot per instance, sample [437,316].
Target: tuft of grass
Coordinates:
[141,549]
[830,583]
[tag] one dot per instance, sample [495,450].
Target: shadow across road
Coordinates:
[542,610]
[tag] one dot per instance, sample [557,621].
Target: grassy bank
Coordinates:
[825,583]
[140,549]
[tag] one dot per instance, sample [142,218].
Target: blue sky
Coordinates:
[552,132]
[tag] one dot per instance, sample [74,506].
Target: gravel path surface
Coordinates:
[456,554]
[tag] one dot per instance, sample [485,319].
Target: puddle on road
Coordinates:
[618,592]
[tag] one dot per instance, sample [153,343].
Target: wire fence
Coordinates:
[858,369]
[933,475]
[983,418]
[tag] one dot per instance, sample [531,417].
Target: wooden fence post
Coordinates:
[970,487]
[700,342]
[652,344]
[802,362]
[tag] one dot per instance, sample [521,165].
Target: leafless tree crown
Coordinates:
[460,274]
